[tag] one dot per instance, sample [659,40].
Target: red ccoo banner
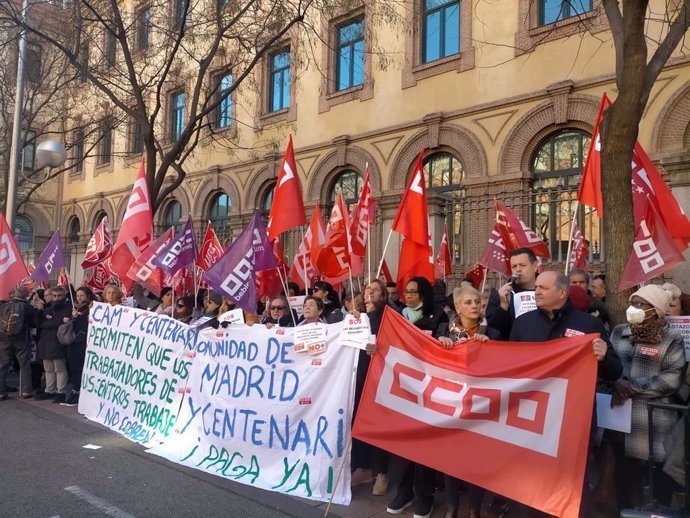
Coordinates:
[511,417]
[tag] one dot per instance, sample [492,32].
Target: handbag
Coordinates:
[66,334]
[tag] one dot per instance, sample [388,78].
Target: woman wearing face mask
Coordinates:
[653,362]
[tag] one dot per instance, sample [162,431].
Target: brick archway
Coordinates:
[672,127]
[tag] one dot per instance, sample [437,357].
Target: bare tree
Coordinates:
[636,73]
[136,57]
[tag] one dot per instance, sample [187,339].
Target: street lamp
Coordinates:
[51,153]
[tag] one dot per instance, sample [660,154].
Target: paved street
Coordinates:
[47,472]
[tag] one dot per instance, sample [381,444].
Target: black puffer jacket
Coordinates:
[48,322]
[536,326]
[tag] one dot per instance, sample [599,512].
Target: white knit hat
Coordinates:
[656,296]
[675,290]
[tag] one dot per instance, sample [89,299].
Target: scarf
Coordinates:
[650,332]
[414,314]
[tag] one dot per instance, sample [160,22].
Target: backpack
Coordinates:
[12,318]
[66,334]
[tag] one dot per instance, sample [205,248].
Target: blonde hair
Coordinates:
[117,293]
[463,290]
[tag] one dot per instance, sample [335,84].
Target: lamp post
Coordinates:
[16,150]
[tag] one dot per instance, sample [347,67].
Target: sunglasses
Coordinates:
[276,307]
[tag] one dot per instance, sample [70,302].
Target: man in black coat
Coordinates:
[18,344]
[554,318]
[500,312]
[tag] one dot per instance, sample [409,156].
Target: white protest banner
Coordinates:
[234,316]
[356,332]
[134,370]
[523,302]
[681,324]
[261,414]
[297,303]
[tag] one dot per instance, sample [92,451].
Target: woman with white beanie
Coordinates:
[653,360]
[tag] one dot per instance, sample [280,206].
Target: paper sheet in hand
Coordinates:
[234,316]
[356,331]
[617,418]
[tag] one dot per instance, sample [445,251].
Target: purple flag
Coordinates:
[234,274]
[52,258]
[181,252]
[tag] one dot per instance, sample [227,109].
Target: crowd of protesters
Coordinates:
[642,360]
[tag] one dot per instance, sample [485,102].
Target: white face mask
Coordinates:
[635,315]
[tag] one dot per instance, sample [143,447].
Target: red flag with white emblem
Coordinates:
[287,210]
[386,273]
[144,271]
[495,256]
[653,251]
[305,258]
[12,268]
[442,265]
[359,228]
[516,234]
[210,251]
[334,258]
[476,274]
[136,231]
[579,252]
[100,246]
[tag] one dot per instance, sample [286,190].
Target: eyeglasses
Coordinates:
[276,307]
[411,292]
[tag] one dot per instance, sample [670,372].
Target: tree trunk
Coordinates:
[619,134]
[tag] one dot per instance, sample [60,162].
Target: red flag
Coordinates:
[579,252]
[334,258]
[62,280]
[144,271]
[415,261]
[211,250]
[442,265]
[99,247]
[101,276]
[308,250]
[269,282]
[412,218]
[589,192]
[182,281]
[136,231]
[649,187]
[359,227]
[373,204]
[476,274]
[653,251]
[29,283]
[513,418]
[495,255]
[287,210]
[12,268]
[385,272]
[516,234]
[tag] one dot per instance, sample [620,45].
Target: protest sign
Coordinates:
[310,338]
[234,316]
[134,369]
[261,414]
[356,332]
[523,302]
[682,326]
[513,418]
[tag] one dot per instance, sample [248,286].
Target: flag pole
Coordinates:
[287,297]
[337,478]
[304,263]
[481,292]
[383,255]
[69,288]
[368,251]
[570,236]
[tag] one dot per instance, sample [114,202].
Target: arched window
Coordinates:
[24,233]
[350,184]
[444,174]
[556,172]
[97,220]
[173,216]
[74,230]
[267,201]
[218,215]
